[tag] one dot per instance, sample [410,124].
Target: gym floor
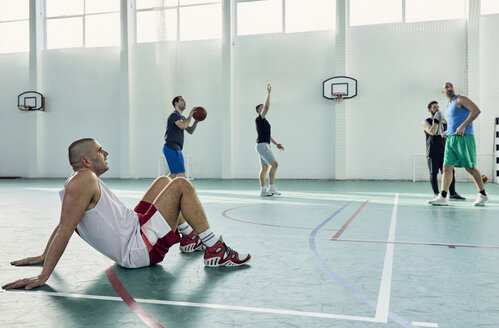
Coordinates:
[325,254]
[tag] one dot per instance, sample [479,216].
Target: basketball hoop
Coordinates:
[337,96]
[31,101]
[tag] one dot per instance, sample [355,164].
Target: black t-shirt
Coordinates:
[263,129]
[174,136]
[435,145]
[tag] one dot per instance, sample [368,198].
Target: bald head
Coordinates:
[78,149]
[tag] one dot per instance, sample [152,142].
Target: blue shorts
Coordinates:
[175,160]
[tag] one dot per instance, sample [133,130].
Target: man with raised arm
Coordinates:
[170,212]
[263,148]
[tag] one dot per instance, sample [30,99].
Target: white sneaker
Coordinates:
[439,201]
[480,200]
[265,193]
[273,191]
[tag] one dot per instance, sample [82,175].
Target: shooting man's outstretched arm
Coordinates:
[191,128]
[266,105]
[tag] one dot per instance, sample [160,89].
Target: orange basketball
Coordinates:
[199,113]
[484,178]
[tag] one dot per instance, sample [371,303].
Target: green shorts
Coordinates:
[460,151]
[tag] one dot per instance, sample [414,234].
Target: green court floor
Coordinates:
[325,254]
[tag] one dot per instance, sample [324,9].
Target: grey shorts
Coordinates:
[265,153]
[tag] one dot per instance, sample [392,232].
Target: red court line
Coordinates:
[224,213]
[415,243]
[129,301]
[338,234]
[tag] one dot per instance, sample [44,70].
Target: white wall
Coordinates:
[17,128]
[82,92]
[193,70]
[301,119]
[399,68]
[489,76]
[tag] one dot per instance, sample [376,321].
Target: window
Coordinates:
[154,26]
[82,23]
[311,15]
[258,17]
[160,20]
[426,10]
[368,12]
[102,30]
[14,26]
[489,7]
[201,22]
[64,33]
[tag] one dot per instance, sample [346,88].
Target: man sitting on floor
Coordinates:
[170,212]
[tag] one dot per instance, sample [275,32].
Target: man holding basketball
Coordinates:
[174,137]
[169,213]
[460,149]
[263,148]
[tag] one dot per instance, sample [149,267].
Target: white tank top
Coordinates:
[113,230]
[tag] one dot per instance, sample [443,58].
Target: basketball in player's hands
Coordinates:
[199,113]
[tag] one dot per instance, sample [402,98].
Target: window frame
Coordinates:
[404,16]
[83,15]
[177,7]
[283,17]
[488,13]
[28,38]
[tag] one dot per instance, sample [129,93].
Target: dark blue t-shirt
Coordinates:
[263,130]
[174,136]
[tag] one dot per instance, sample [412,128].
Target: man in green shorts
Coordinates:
[460,149]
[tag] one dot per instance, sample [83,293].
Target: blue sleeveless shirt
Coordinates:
[455,117]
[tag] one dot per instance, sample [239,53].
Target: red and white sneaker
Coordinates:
[191,243]
[222,255]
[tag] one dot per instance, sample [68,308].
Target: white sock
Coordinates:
[271,186]
[184,228]
[208,238]
[264,189]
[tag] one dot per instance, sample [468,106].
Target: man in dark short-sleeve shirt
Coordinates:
[174,137]
[263,148]
[434,127]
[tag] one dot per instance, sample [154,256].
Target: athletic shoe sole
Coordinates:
[192,248]
[215,262]
[438,204]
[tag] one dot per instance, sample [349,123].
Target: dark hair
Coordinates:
[258,106]
[432,103]
[77,150]
[175,100]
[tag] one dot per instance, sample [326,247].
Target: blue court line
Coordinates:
[339,279]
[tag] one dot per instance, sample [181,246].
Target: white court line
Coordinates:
[424,324]
[383,305]
[200,305]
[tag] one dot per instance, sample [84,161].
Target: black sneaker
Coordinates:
[456,196]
